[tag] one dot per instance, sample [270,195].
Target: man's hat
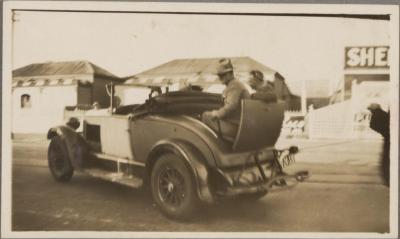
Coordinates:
[73,122]
[257,74]
[224,66]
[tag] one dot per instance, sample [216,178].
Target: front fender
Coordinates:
[194,159]
[74,142]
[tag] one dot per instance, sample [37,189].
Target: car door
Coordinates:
[115,137]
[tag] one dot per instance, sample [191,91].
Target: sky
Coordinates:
[300,48]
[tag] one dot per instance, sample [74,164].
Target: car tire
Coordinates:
[58,160]
[173,187]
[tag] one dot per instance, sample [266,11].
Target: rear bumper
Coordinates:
[255,176]
[264,186]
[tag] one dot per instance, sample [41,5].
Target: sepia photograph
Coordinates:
[199,120]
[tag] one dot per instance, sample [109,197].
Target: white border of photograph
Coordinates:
[191,7]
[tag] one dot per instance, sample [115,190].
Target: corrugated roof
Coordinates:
[62,68]
[205,65]
[196,70]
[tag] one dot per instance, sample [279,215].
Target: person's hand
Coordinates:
[214,114]
[210,114]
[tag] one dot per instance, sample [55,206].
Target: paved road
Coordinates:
[326,203]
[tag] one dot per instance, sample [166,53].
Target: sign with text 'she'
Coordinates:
[367,57]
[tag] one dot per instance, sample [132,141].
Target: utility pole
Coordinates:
[303,98]
[343,89]
[14,19]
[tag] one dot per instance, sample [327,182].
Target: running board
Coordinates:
[120,178]
[117,159]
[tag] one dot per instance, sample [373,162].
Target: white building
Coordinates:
[40,93]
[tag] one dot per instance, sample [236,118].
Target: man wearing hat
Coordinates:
[226,119]
[73,123]
[264,89]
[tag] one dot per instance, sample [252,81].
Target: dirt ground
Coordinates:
[345,195]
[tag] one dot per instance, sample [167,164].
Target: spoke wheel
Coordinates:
[173,187]
[58,160]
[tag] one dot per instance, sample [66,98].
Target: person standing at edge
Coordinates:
[380,122]
[226,119]
[264,89]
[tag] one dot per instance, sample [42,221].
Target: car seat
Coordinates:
[260,125]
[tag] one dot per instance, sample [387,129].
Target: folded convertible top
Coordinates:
[177,102]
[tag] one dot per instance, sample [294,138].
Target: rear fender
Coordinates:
[74,142]
[193,158]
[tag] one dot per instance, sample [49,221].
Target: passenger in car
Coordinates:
[73,123]
[226,119]
[264,89]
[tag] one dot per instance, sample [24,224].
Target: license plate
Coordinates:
[286,159]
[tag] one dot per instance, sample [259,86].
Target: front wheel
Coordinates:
[58,159]
[173,187]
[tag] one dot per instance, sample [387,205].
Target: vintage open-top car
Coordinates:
[163,145]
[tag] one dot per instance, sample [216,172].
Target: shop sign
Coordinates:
[367,57]
[293,126]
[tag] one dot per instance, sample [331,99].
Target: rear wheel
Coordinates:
[173,187]
[58,159]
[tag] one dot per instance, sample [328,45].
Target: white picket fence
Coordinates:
[350,118]
[333,121]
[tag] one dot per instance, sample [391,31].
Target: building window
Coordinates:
[26,101]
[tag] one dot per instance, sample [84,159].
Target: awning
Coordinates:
[32,82]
